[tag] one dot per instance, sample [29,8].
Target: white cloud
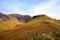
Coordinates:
[45,8]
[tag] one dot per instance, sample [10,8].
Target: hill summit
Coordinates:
[41,17]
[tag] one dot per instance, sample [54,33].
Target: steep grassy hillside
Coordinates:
[38,28]
[9,24]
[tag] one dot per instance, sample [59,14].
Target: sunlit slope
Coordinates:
[32,29]
[8,24]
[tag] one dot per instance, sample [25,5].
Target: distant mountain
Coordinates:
[22,18]
[18,16]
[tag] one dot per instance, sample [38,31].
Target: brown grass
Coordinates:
[30,29]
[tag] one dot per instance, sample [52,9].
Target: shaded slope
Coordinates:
[26,18]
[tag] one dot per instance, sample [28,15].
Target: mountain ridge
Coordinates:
[22,18]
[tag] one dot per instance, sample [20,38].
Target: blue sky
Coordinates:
[31,7]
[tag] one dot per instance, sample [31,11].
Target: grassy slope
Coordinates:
[32,28]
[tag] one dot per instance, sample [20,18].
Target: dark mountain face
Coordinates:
[4,17]
[22,18]
[27,18]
